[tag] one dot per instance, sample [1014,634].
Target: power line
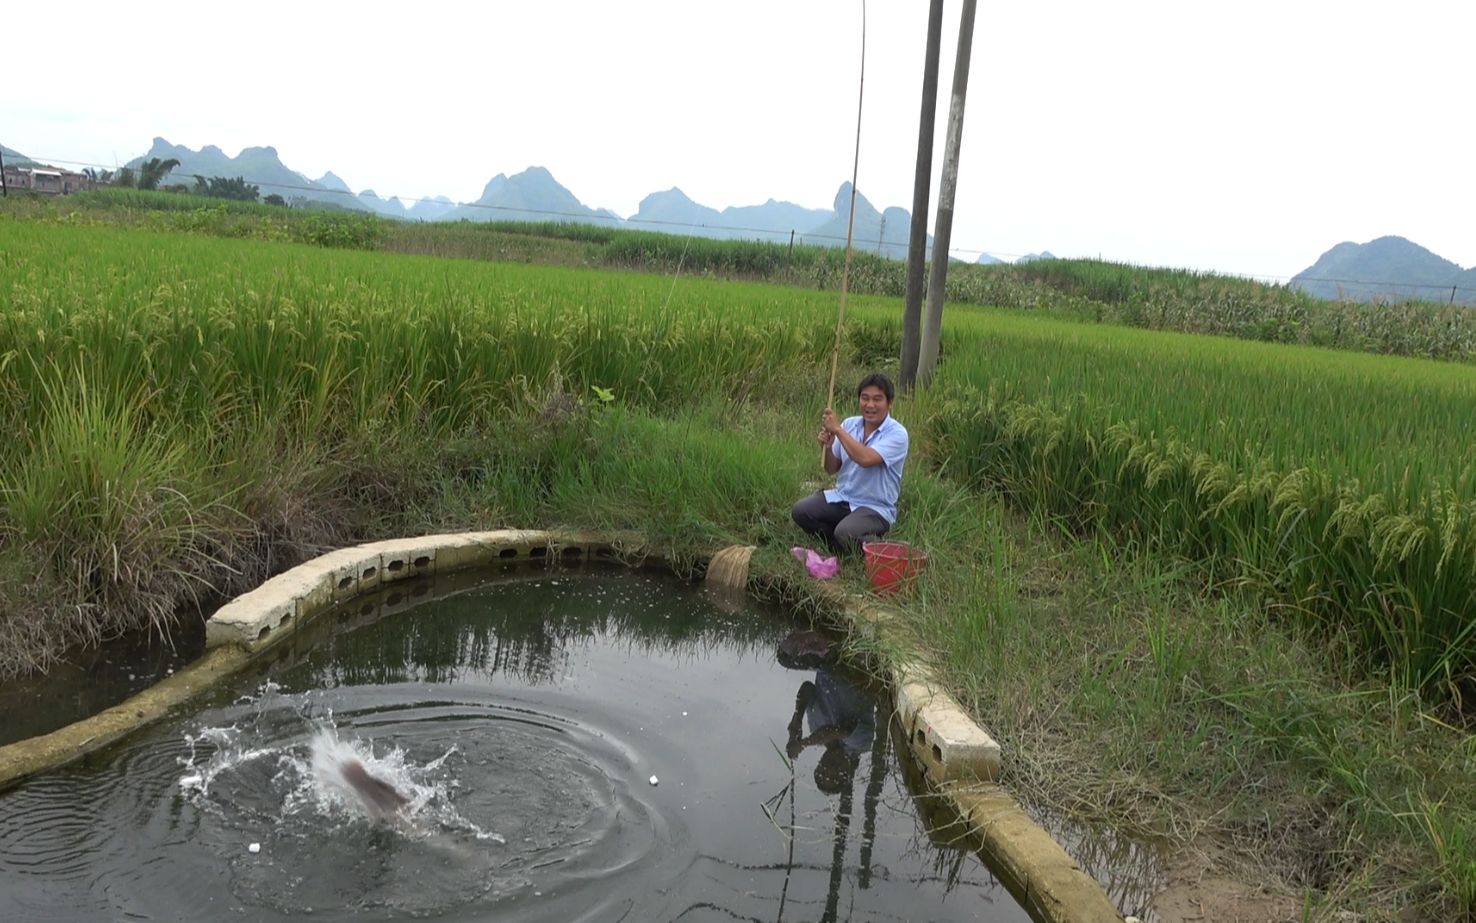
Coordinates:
[613,219]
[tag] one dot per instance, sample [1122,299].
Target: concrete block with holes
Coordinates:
[477,549]
[251,616]
[946,741]
[346,571]
[313,584]
[402,558]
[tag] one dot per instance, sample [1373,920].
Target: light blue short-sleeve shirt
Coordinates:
[877,487]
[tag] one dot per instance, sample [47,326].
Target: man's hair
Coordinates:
[879,380]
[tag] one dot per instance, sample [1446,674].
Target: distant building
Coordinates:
[17,177]
[46,180]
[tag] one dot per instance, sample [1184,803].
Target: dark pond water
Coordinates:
[570,744]
[91,679]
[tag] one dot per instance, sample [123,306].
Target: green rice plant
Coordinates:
[1193,302]
[122,199]
[1339,486]
[171,211]
[271,376]
[272,329]
[1164,299]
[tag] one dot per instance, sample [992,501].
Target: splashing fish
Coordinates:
[380,799]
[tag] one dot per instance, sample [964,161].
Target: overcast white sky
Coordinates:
[1244,137]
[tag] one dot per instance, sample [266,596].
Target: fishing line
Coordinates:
[691,232]
[840,320]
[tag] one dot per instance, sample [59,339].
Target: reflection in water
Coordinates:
[842,721]
[556,614]
[522,721]
[1130,871]
[93,678]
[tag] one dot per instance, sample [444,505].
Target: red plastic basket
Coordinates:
[892,566]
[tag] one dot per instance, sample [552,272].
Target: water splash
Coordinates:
[287,758]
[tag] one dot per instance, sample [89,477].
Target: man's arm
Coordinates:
[828,459]
[865,456]
[795,745]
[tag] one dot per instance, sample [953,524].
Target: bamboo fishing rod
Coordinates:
[840,320]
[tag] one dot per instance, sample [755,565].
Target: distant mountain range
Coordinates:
[884,233]
[673,212]
[1386,269]
[1389,268]
[258,165]
[534,195]
[423,210]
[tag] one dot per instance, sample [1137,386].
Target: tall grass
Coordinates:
[174,396]
[108,198]
[577,244]
[1195,302]
[1158,712]
[1341,486]
[199,325]
[1114,293]
[171,211]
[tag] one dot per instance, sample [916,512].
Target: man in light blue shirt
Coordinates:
[867,453]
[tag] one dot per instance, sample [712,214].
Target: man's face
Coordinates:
[874,404]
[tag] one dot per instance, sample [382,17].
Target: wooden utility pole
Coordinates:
[938,277]
[4,188]
[917,242]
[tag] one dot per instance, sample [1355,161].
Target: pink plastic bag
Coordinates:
[819,568]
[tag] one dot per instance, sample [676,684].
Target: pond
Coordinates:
[589,743]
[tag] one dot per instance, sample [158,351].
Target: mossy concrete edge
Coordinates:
[963,762]
[956,755]
[260,618]
[26,758]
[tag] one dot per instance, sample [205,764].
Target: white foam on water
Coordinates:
[327,756]
[428,810]
[309,755]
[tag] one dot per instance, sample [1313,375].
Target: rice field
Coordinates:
[180,408]
[1339,484]
[178,404]
[191,327]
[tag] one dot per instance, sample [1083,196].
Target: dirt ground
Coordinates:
[1201,887]
[1221,900]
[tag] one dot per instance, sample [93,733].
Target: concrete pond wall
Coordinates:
[955,756]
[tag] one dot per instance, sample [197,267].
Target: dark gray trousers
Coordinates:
[842,528]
